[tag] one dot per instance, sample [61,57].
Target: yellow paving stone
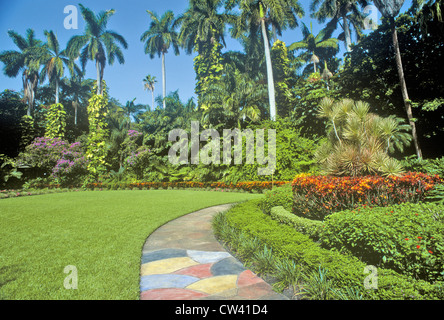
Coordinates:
[166,265]
[214,284]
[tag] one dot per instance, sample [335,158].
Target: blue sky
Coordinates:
[130,20]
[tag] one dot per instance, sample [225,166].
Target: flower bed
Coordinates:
[248,186]
[318,196]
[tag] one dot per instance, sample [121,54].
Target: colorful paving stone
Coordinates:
[166,265]
[182,260]
[214,285]
[171,294]
[207,256]
[158,281]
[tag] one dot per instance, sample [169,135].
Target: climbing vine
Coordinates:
[96,151]
[55,121]
[208,65]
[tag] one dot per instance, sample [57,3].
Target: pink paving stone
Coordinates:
[254,291]
[171,294]
[200,271]
[247,278]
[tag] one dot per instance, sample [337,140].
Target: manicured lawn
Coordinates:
[101,233]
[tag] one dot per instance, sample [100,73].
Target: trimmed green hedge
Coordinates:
[312,228]
[408,238]
[277,196]
[343,269]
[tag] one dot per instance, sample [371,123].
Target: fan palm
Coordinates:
[158,39]
[97,44]
[390,10]
[54,62]
[148,84]
[28,60]
[346,10]
[314,44]
[260,14]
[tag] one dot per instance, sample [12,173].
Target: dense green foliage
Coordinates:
[56,121]
[407,238]
[248,221]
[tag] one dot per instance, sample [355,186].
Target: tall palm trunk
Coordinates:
[99,90]
[75,113]
[405,96]
[163,80]
[57,90]
[152,95]
[270,81]
[346,32]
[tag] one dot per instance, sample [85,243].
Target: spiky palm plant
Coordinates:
[160,36]
[358,142]
[97,43]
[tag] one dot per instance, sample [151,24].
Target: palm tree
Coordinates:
[234,98]
[202,30]
[148,84]
[390,9]
[79,91]
[201,23]
[97,44]
[158,39]
[28,60]
[279,14]
[313,44]
[54,62]
[131,109]
[346,10]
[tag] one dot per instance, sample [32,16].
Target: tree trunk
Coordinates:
[75,115]
[99,81]
[57,90]
[405,96]
[152,94]
[163,80]
[271,94]
[346,32]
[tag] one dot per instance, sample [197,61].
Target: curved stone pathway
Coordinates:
[182,260]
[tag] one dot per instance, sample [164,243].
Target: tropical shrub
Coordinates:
[408,238]
[344,270]
[277,196]
[43,153]
[429,166]
[312,228]
[359,142]
[318,196]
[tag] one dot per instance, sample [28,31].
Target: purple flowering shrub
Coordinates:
[62,161]
[137,157]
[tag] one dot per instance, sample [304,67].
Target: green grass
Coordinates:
[101,233]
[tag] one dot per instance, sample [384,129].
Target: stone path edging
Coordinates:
[182,260]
